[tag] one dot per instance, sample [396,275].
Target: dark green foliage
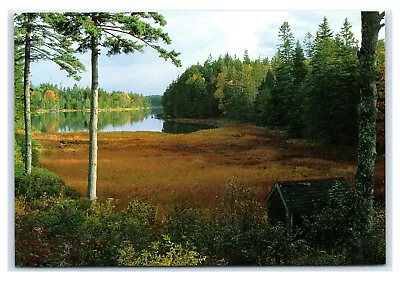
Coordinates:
[241,236]
[300,72]
[20,150]
[311,92]
[46,40]
[18,79]
[226,86]
[40,183]
[188,96]
[19,165]
[155,100]
[378,251]
[78,232]
[332,225]
[240,208]
[263,102]
[82,233]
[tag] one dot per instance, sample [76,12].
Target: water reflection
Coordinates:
[183,128]
[114,121]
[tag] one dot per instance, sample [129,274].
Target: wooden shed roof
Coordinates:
[303,196]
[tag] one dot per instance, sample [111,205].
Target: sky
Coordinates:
[196,34]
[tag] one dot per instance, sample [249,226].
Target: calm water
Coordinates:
[116,121]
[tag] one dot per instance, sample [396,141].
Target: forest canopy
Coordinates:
[308,88]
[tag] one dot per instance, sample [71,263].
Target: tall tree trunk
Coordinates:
[94,109]
[366,154]
[27,100]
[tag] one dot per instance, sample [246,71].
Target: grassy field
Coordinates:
[191,170]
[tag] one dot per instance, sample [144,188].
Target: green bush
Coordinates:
[194,229]
[160,253]
[143,212]
[19,166]
[20,143]
[240,207]
[85,233]
[378,254]
[332,226]
[41,183]
[64,216]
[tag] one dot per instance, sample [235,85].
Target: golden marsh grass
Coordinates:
[191,170]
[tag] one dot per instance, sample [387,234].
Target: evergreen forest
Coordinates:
[310,88]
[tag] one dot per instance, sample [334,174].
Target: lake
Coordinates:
[112,121]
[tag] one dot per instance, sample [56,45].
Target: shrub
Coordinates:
[91,233]
[143,212]
[20,143]
[378,254]
[21,208]
[159,253]
[332,225]
[64,216]
[41,183]
[197,231]
[19,166]
[240,207]
[32,246]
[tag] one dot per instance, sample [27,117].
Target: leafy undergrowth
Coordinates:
[191,170]
[60,231]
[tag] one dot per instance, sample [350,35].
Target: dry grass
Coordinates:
[190,169]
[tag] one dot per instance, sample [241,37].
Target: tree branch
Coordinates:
[128,33]
[382,16]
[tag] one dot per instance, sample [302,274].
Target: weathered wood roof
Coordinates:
[302,197]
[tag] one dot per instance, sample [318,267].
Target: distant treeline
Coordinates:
[155,100]
[309,89]
[51,97]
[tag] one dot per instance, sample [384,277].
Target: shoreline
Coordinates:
[88,110]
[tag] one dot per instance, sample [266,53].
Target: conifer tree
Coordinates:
[309,45]
[299,75]
[282,98]
[117,33]
[345,93]
[321,84]
[42,42]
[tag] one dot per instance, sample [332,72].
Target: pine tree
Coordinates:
[345,94]
[286,45]
[282,98]
[263,101]
[347,36]
[321,85]
[42,42]
[309,45]
[299,75]
[118,33]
